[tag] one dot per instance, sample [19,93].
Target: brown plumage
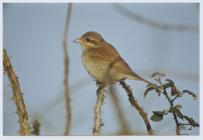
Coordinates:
[102,60]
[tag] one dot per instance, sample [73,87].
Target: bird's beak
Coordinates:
[77,40]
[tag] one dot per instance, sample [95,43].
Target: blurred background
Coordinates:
[33,35]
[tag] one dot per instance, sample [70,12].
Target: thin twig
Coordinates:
[57,100]
[135,104]
[173,109]
[153,23]
[66,72]
[97,114]
[174,115]
[17,95]
[125,129]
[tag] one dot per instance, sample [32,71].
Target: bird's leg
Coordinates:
[100,86]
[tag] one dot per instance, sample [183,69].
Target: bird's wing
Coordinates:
[104,53]
[124,68]
[110,55]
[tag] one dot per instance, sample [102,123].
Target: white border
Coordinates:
[201,68]
[92,137]
[1,70]
[99,1]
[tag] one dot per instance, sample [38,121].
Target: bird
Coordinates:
[103,62]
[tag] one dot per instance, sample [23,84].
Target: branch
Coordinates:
[66,72]
[97,114]
[153,23]
[17,95]
[135,104]
[173,109]
[174,115]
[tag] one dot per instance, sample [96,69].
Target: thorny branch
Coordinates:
[153,23]
[97,113]
[135,104]
[17,95]
[66,72]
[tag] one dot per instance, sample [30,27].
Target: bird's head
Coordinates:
[90,40]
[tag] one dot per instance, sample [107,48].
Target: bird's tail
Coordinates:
[134,76]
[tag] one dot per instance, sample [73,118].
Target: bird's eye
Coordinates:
[88,39]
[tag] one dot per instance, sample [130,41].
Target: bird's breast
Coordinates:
[97,69]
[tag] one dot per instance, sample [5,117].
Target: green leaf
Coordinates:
[190,93]
[171,110]
[157,116]
[149,88]
[178,106]
[170,82]
[177,111]
[179,114]
[159,113]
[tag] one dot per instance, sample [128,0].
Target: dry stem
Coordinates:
[135,104]
[153,23]
[97,114]
[66,73]
[17,95]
